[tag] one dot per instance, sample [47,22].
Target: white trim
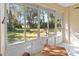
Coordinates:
[48,28]
[38,27]
[55,27]
[17,43]
[63,28]
[3,30]
[24,26]
[69,25]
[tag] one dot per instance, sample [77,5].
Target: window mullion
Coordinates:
[47,28]
[55,28]
[38,23]
[62,28]
[24,26]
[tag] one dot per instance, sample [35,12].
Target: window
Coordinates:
[52,23]
[43,23]
[15,23]
[31,23]
[28,23]
[59,27]
[22,23]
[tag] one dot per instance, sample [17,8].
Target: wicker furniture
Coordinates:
[49,50]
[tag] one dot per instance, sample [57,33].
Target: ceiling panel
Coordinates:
[66,4]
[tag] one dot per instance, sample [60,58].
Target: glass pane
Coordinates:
[31,24]
[15,22]
[59,28]
[43,23]
[52,23]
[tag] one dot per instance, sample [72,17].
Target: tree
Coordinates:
[13,18]
[10,23]
[52,21]
[32,22]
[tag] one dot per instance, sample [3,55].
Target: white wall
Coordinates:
[18,49]
[71,21]
[36,45]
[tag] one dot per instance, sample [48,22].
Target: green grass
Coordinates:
[30,35]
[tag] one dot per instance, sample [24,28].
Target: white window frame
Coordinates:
[38,27]
[3,28]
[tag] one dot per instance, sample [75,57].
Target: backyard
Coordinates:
[25,23]
[30,35]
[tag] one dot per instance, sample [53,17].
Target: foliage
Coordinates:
[13,20]
[31,16]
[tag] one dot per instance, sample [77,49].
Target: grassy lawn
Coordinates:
[30,35]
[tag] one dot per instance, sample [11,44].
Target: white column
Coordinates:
[69,25]
[63,27]
[3,29]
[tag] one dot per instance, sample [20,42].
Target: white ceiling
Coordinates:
[66,4]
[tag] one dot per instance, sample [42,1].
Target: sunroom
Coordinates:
[39,29]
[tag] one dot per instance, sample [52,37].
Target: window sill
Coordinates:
[20,42]
[17,43]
